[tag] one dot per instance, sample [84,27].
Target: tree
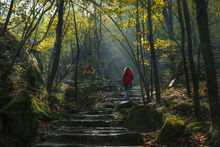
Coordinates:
[7,19]
[153,56]
[205,44]
[77,55]
[31,22]
[191,62]
[57,46]
[183,48]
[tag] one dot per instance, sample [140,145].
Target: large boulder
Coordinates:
[144,118]
[122,108]
[172,131]
[124,105]
[19,119]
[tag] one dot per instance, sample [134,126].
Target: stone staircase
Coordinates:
[88,129]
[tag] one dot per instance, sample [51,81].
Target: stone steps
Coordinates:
[92,131]
[88,123]
[94,128]
[117,139]
[92,117]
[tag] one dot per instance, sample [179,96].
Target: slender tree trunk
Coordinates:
[153,56]
[140,54]
[90,45]
[205,45]
[151,80]
[144,56]
[170,30]
[192,65]
[57,46]
[7,19]
[183,49]
[198,64]
[77,55]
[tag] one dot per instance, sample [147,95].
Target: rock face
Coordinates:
[20,118]
[172,130]
[144,118]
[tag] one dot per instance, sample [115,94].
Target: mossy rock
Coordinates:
[172,130]
[121,114]
[201,126]
[124,105]
[21,120]
[184,109]
[144,118]
[42,110]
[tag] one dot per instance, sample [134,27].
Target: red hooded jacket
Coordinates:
[128,77]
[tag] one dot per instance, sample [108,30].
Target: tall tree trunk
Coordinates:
[191,61]
[205,45]
[170,30]
[57,46]
[7,19]
[183,48]
[140,54]
[151,80]
[168,15]
[77,55]
[153,56]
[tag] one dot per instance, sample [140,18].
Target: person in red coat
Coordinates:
[128,77]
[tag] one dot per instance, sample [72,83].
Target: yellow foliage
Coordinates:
[146,63]
[136,43]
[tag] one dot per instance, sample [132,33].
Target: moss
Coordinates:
[172,130]
[21,119]
[202,126]
[41,110]
[175,120]
[121,113]
[144,119]
[172,102]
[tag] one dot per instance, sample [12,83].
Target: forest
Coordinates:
[83,73]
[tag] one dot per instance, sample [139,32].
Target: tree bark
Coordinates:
[57,46]
[77,55]
[191,62]
[8,18]
[205,45]
[153,56]
[140,54]
[183,49]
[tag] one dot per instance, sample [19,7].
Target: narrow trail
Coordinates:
[87,129]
